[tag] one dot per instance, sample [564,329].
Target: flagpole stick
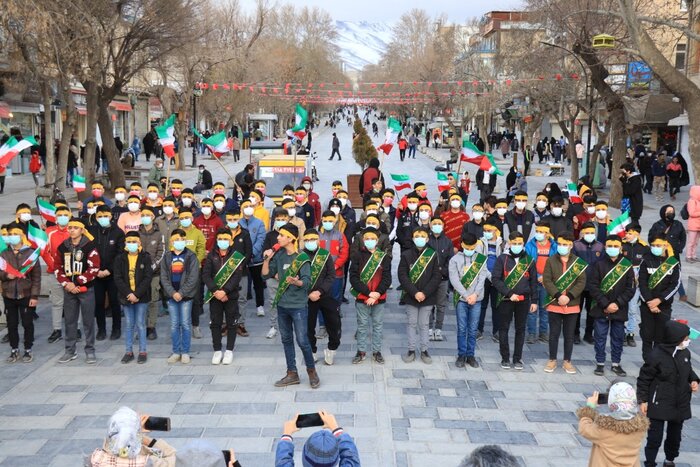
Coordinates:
[294,168]
[227,172]
[167,176]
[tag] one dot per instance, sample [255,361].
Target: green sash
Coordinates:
[418,268]
[318,264]
[614,275]
[370,269]
[662,271]
[515,274]
[572,273]
[472,273]
[224,274]
[291,271]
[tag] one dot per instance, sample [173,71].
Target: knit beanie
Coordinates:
[321,450]
[622,401]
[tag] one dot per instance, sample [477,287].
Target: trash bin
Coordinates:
[693,290]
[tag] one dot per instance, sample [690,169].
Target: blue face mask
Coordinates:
[516,249]
[146,220]
[62,220]
[370,244]
[420,242]
[563,250]
[14,239]
[104,221]
[657,250]
[6,238]
[232,224]
[613,252]
[279,224]
[436,229]
[539,236]
[311,245]
[469,253]
[589,238]
[180,245]
[222,244]
[488,235]
[328,225]
[186,222]
[132,247]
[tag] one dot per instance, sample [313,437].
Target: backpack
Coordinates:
[684,212]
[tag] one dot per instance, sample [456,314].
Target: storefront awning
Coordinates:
[651,109]
[120,106]
[82,110]
[681,120]
[4,110]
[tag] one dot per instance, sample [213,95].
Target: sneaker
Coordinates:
[14,356]
[425,357]
[260,311]
[588,339]
[544,338]
[518,365]
[321,334]
[569,367]
[5,339]
[174,358]
[617,369]
[271,333]
[495,338]
[315,356]
[116,334]
[90,358]
[550,366]
[479,335]
[142,358]
[359,357]
[56,335]
[329,356]
[577,340]
[378,357]
[599,370]
[505,364]
[185,358]
[460,361]
[629,340]
[471,361]
[217,357]
[228,357]
[438,335]
[531,339]
[431,335]
[151,334]
[67,357]
[242,331]
[128,357]
[27,357]
[409,356]
[101,335]
[196,332]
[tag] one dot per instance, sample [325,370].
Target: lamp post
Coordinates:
[589,97]
[196,92]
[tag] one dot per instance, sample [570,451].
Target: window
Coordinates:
[680,56]
[684,5]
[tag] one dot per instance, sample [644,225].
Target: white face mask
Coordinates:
[541,204]
[590,209]
[168,210]
[206,210]
[424,215]
[187,202]
[219,205]
[412,206]
[91,210]
[455,203]
[371,212]
[307,186]
[120,196]
[336,210]
[556,212]
[520,205]
[152,195]
[248,211]
[133,207]
[292,212]
[501,211]
[601,214]
[478,215]
[25,217]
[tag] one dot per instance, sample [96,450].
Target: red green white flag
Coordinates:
[393,128]
[443,183]
[573,193]
[166,136]
[485,161]
[7,267]
[218,144]
[12,147]
[47,210]
[301,117]
[401,182]
[78,183]
[31,261]
[37,237]
[619,224]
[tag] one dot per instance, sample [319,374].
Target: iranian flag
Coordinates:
[37,236]
[573,193]
[30,261]
[12,147]
[393,128]
[401,182]
[218,144]
[7,267]
[443,183]
[619,224]
[166,136]
[301,117]
[47,210]
[471,153]
[78,183]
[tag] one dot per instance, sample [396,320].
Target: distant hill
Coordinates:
[362,42]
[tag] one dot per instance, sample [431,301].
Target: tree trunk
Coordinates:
[116,172]
[91,131]
[569,135]
[66,136]
[50,168]
[601,138]
[181,135]
[619,140]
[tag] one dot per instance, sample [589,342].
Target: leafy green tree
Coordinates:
[363,149]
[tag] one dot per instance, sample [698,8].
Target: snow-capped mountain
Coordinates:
[361,42]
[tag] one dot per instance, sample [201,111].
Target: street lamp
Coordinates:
[589,96]
[196,92]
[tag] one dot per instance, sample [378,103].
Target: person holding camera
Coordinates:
[328,447]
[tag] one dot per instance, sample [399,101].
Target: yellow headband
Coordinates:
[288,234]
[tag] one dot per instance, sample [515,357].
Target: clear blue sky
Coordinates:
[458,11]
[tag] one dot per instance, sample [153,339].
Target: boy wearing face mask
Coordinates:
[558,222]
[659,279]
[383,242]
[109,242]
[499,215]
[20,294]
[56,234]
[219,190]
[133,273]
[131,220]
[290,206]
[313,199]
[208,223]
[519,218]
[136,189]
[153,243]
[515,278]
[540,248]
[256,229]
[675,235]
[267,202]
[455,220]
[664,389]
[23,217]
[444,249]
[407,221]
[601,220]
[591,251]
[304,209]
[280,218]
[491,246]
[153,199]
[259,210]
[541,209]
[419,274]
[169,220]
[335,207]
[119,202]
[222,273]
[468,275]
[476,224]
[333,241]
[388,196]
[634,249]
[98,192]
[586,215]
[176,187]
[612,287]
[195,242]
[187,200]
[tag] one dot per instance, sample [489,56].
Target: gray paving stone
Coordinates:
[502,437]
[362,378]
[420,412]
[6,435]
[462,425]
[40,433]
[100,397]
[230,432]
[21,410]
[442,383]
[399,434]
[16,461]
[545,416]
[441,401]
[400,423]
[141,397]
[70,388]
[176,379]
[183,432]
[243,408]
[401,459]
[485,402]
[407,373]
[419,392]
[192,409]
[324,396]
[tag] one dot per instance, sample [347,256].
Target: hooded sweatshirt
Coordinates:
[694,209]
[673,229]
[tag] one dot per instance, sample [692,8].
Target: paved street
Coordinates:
[399,414]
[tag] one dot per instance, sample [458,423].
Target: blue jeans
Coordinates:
[135,316]
[291,322]
[180,325]
[633,314]
[467,324]
[541,312]
[617,336]
[366,316]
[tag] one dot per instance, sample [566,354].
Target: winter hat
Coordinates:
[124,435]
[675,332]
[622,401]
[200,453]
[320,450]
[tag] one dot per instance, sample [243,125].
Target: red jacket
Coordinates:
[403,144]
[335,242]
[580,219]
[454,221]
[56,237]
[315,203]
[209,227]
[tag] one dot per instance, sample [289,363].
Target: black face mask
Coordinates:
[670,217]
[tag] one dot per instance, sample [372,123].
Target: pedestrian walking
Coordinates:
[35,167]
[658,170]
[412,144]
[693,209]
[402,144]
[674,171]
[675,234]
[335,148]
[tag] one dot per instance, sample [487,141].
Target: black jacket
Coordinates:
[473,227]
[632,189]
[212,263]
[143,276]
[664,380]
[325,279]
[357,263]
[244,245]
[404,229]
[428,282]
[666,289]
[559,225]
[445,250]
[621,294]
[526,219]
[527,285]
[635,251]
[109,243]
[674,231]
[205,179]
[480,180]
